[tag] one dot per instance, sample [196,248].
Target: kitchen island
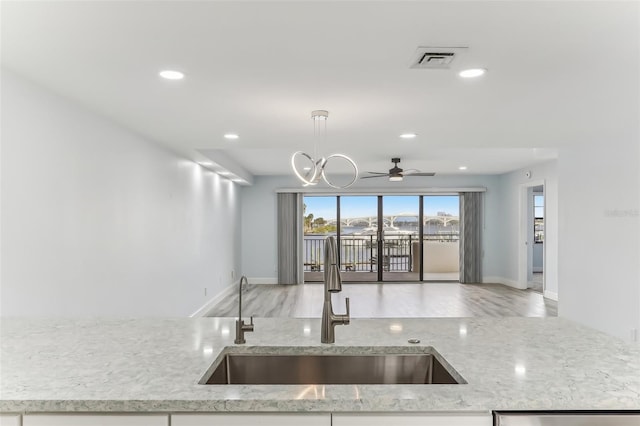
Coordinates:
[154,366]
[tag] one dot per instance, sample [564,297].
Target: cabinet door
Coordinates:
[256,419]
[95,420]
[9,420]
[412,419]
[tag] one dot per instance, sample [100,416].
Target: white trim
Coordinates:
[504,281]
[384,191]
[263,280]
[550,295]
[204,309]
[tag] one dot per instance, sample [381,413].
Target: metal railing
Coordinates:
[360,253]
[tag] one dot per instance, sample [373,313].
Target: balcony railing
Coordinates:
[359,253]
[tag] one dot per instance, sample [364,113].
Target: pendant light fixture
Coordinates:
[310,170]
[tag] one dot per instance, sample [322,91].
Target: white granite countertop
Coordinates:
[154,365]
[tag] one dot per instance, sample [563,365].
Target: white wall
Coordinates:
[511,187]
[99,221]
[600,248]
[599,185]
[259,255]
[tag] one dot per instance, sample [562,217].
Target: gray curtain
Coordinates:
[289,270]
[471,237]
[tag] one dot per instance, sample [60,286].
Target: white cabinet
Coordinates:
[95,420]
[251,419]
[257,419]
[412,419]
[9,420]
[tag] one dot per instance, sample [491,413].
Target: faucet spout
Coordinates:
[332,284]
[241,327]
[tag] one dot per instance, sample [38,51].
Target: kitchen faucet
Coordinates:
[241,327]
[332,284]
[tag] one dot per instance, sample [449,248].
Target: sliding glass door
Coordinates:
[358,237]
[400,254]
[320,221]
[441,236]
[379,237]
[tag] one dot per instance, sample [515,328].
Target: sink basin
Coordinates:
[287,366]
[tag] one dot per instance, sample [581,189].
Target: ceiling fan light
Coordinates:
[395,178]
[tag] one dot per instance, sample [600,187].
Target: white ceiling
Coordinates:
[556,74]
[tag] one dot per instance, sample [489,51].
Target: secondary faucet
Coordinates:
[241,327]
[332,284]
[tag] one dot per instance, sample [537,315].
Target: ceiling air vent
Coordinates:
[435,57]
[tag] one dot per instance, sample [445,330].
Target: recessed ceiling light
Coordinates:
[171,75]
[462,168]
[408,135]
[472,72]
[231,136]
[395,328]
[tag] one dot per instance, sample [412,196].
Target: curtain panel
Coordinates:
[289,236]
[471,237]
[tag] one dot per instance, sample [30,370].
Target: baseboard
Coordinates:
[262,280]
[551,295]
[503,281]
[537,269]
[204,309]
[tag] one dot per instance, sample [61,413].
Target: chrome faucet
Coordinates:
[241,327]
[332,284]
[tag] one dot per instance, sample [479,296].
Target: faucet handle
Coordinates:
[347,302]
[251,317]
[248,327]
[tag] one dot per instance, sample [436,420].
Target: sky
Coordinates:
[364,206]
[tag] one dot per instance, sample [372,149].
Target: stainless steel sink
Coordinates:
[281,367]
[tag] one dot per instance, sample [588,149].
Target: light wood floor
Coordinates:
[536,283]
[393,276]
[389,300]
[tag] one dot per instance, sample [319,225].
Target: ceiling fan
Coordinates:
[396,174]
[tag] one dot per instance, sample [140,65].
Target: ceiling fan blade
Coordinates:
[379,173]
[420,174]
[376,176]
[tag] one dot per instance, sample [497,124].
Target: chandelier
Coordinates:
[310,170]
